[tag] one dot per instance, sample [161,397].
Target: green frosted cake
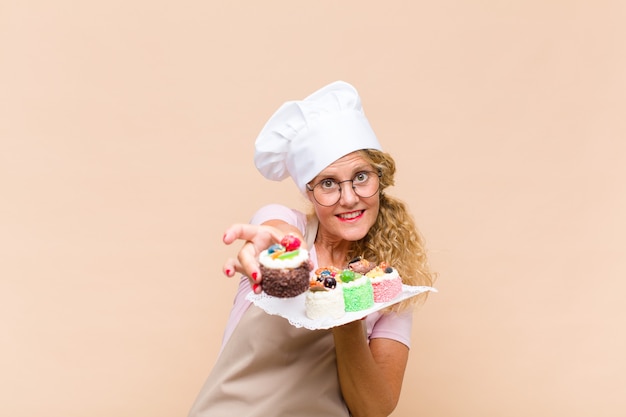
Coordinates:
[358,293]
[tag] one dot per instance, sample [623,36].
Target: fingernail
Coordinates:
[228,272]
[254,276]
[255,287]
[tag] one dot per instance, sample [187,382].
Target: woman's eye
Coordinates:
[328,183]
[360,177]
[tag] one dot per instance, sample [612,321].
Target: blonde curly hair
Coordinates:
[394,237]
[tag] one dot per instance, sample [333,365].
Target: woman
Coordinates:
[268,367]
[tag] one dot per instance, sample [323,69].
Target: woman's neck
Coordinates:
[332,253]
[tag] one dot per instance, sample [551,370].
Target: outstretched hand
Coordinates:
[257,238]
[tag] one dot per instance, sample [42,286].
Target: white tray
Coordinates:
[293,309]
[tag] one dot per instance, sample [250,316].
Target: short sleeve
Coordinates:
[280,212]
[393,325]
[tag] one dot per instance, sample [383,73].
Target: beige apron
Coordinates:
[268,368]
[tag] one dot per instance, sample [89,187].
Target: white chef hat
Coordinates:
[304,137]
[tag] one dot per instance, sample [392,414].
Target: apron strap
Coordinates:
[311,231]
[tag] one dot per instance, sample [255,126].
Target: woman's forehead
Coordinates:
[346,165]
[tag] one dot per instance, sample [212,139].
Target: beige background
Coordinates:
[127,133]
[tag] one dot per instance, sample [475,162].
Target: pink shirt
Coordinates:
[395,326]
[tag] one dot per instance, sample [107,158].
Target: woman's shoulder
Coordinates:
[276,211]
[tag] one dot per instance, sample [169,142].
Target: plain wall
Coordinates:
[126,143]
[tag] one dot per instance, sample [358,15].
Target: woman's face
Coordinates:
[352,216]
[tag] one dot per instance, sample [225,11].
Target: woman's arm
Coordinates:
[370,375]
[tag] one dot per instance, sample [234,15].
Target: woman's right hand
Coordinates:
[256,239]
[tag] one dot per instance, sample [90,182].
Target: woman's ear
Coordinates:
[309,195]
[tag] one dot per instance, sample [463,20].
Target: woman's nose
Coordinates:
[348,195]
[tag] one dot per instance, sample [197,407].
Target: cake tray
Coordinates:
[293,308]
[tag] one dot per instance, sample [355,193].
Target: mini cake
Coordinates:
[324,299]
[358,293]
[360,265]
[285,268]
[386,283]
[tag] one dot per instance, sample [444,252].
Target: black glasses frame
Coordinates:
[379,173]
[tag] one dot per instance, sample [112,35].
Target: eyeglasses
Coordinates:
[327,192]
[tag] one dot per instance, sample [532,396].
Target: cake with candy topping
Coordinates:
[358,293]
[386,282]
[285,268]
[324,299]
[361,285]
[361,265]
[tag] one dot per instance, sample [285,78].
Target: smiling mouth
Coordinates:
[350,216]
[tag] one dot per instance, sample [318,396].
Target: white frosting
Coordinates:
[386,277]
[321,304]
[267,261]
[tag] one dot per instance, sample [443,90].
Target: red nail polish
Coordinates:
[228,272]
[255,287]
[254,276]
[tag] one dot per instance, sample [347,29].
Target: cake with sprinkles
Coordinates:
[386,282]
[360,286]
[324,299]
[285,268]
[358,293]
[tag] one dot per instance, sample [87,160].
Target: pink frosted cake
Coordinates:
[386,283]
